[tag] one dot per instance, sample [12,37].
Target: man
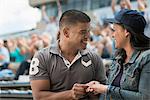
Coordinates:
[61,72]
[124,4]
[4,56]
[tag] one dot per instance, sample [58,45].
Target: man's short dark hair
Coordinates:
[71,17]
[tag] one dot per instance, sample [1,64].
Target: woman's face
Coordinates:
[119,36]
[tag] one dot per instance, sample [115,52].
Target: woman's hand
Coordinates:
[96,87]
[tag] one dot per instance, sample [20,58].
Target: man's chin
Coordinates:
[84,45]
[83,48]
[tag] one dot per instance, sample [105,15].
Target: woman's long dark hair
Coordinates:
[138,40]
[120,56]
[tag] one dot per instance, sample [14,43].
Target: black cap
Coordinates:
[135,23]
[130,18]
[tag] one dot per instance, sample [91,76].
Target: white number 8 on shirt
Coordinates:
[34,66]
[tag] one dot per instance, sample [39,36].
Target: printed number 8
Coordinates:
[34,66]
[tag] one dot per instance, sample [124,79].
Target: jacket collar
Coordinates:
[134,56]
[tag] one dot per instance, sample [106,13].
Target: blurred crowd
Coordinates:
[16,53]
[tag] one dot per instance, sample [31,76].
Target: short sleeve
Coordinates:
[38,67]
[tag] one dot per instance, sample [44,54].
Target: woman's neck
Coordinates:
[129,51]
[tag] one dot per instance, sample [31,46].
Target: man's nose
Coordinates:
[87,35]
[113,34]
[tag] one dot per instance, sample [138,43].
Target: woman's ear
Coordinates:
[126,33]
[66,32]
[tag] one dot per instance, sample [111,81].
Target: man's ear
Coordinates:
[126,33]
[66,32]
[58,35]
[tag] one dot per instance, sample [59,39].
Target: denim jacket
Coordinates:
[135,81]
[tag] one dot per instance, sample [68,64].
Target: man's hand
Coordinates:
[78,91]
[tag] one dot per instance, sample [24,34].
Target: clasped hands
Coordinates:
[93,87]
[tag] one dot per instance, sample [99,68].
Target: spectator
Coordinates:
[124,4]
[142,7]
[15,52]
[4,56]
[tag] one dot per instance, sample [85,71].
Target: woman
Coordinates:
[129,74]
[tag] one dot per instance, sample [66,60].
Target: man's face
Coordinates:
[79,35]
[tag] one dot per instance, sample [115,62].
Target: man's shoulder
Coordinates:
[94,57]
[93,54]
[43,53]
[44,50]
[47,50]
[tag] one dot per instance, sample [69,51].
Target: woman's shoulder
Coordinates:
[145,54]
[144,57]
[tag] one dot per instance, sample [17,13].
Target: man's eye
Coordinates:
[112,30]
[84,33]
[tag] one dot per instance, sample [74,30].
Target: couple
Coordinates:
[67,71]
